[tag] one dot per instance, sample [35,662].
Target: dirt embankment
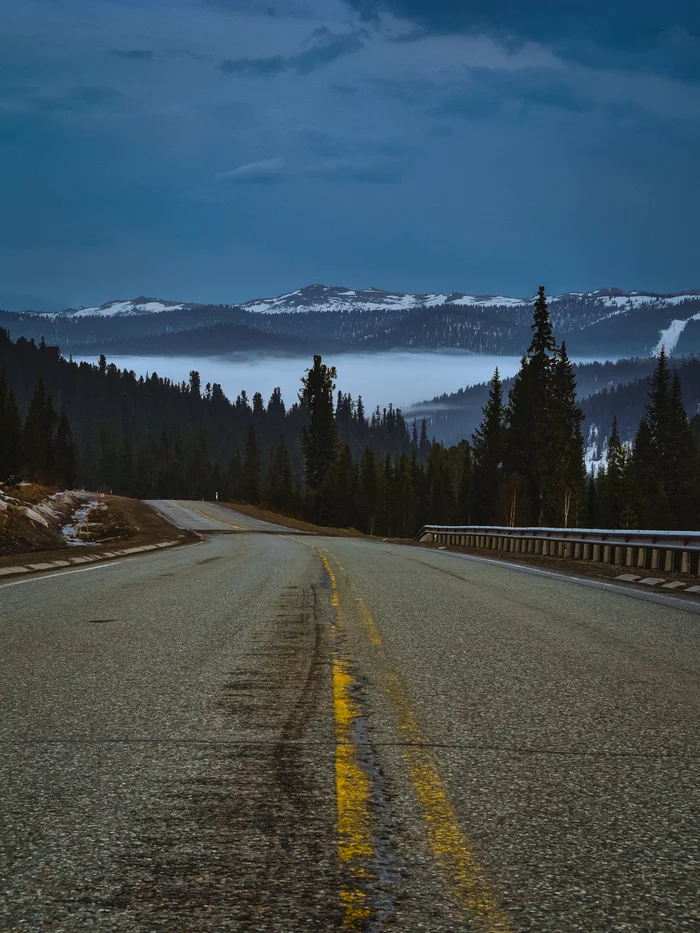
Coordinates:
[49,524]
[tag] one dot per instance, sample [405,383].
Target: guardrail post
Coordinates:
[685,562]
[654,558]
[670,561]
[596,553]
[629,557]
[618,556]
[586,551]
[606,554]
[641,558]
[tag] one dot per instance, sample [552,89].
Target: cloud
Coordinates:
[263,172]
[272,171]
[326,48]
[488,93]
[645,35]
[85,99]
[134,55]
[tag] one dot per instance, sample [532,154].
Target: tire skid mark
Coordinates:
[243,839]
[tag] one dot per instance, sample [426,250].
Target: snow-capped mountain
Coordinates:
[121,308]
[339,298]
[600,304]
[606,323]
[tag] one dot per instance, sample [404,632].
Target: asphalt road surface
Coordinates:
[278,732]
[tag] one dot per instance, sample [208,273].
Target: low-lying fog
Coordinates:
[399,377]
[403,378]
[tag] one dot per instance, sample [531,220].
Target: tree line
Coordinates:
[326,460]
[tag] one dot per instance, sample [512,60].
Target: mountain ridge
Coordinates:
[325,298]
[605,323]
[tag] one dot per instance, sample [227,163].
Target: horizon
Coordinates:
[146,296]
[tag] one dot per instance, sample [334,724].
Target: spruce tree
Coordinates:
[543,446]
[251,468]
[369,492]
[279,477]
[612,482]
[64,453]
[424,445]
[37,437]
[567,471]
[441,490]
[10,435]
[465,494]
[319,438]
[648,497]
[678,462]
[489,446]
[663,462]
[404,498]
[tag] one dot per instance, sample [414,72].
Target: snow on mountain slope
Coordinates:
[672,334]
[337,298]
[322,298]
[607,301]
[133,306]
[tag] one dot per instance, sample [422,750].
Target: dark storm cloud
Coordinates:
[326,49]
[642,34]
[464,145]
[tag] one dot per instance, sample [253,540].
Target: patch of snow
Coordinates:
[114,308]
[680,299]
[35,517]
[71,531]
[672,334]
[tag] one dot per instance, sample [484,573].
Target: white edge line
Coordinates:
[99,566]
[621,589]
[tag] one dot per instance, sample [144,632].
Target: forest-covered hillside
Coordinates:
[325,459]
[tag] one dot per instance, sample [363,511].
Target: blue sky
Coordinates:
[221,150]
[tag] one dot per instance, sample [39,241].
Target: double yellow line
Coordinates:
[450,846]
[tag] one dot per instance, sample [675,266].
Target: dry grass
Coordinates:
[277,518]
[30,493]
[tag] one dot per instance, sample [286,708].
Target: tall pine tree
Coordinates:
[319,438]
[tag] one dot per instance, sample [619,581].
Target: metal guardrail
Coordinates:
[656,550]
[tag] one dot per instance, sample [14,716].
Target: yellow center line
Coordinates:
[352,785]
[217,520]
[450,846]
[370,626]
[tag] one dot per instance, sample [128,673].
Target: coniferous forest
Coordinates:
[325,459]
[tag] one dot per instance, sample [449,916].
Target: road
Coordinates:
[278,732]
